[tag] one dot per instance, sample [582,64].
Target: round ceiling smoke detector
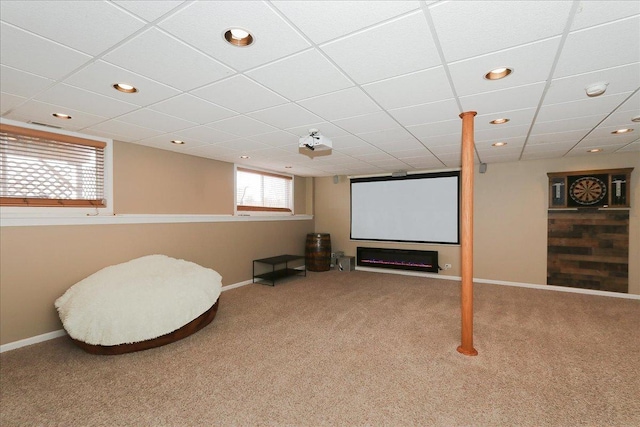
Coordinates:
[596,89]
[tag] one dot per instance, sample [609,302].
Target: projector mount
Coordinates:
[315,141]
[314,134]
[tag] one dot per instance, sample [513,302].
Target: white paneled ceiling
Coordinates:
[385,80]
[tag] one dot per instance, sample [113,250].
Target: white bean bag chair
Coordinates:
[139,304]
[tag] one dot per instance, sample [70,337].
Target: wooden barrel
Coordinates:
[318,252]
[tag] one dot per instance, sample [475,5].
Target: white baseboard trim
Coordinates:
[506,283]
[61,332]
[33,340]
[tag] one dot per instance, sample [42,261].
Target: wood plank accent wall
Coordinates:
[589,249]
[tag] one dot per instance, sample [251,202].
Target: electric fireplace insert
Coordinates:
[401,259]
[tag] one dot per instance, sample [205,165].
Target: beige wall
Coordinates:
[510,218]
[37,264]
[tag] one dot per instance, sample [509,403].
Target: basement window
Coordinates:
[40,169]
[263,192]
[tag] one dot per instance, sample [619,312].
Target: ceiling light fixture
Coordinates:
[123,87]
[594,150]
[177,142]
[244,157]
[498,121]
[238,37]
[636,119]
[498,144]
[61,116]
[621,131]
[498,73]
[596,89]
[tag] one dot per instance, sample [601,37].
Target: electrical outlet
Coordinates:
[447,266]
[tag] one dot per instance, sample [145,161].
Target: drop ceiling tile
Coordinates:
[156,120]
[349,141]
[367,123]
[591,13]
[424,164]
[632,103]
[634,146]
[399,145]
[585,123]
[149,10]
[516,118]
[20,83]
[343,104]
[161,57]
[277,139]
[286,116]
[442,140]
[326,20]
[555,137]
[601,105]
[358,151]
[36,55]
[387,136]
[543,155]
[412,154]
[163,142]
[243,145]
[381,52]
[213,152]
[442,150]
[325,128]
[421,87]
[41,112]
[83,100]
[500,133]
[189,107]
[426,113]
[430,130]
[123,131]
[591,49]
[100,76]
[557,146]
[63,21]
[242,126]
[605,132]
[202,24]
[204,134]
[516,98]
[481,19]
[9,101]
[530,64]
[240,94]
[621,79]
[303,75]
[623,119]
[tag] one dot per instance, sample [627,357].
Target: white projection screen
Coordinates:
[421,208]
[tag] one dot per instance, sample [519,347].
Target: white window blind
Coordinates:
[46,169]
[263,191]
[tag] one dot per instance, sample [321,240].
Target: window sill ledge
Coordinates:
[30,221]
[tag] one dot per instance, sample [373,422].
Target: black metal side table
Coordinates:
[279,273]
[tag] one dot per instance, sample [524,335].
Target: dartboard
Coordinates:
[588,190]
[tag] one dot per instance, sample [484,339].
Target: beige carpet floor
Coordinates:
[352,349]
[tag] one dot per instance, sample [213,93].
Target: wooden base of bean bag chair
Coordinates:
[190,328]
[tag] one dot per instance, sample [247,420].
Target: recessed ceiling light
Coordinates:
[596,89]
[238,37]
[244,157]
[621,131]
[498,121]
[288,167]
[123,87]
[594,150]
[498,73]
[498,144]
[61,116]
[636,119]
[177,141]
